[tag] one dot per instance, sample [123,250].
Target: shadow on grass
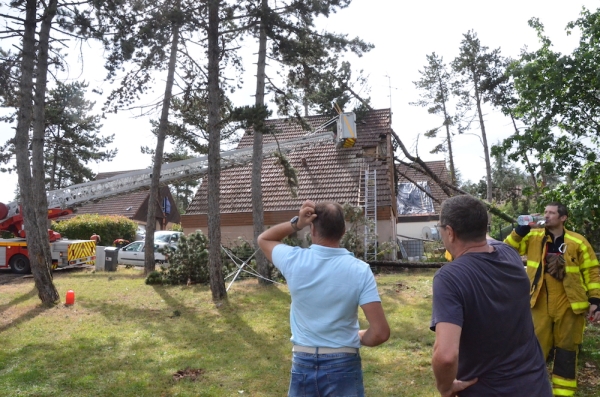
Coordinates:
[215,339]
[24,317]
[19,299]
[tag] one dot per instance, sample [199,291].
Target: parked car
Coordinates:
[168,238]
[133,254]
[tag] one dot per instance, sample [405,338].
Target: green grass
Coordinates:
[124,338]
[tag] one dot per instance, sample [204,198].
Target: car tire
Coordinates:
[20,264]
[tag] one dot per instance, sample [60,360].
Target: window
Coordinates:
[412,200]
[166,207]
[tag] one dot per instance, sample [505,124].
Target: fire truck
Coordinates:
[65,253]
[69,253]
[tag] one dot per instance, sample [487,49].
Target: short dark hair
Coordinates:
[329,223]
[467,216]
[562,209]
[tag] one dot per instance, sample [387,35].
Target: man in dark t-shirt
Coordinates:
[485,343]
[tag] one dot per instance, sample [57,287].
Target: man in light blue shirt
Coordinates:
[327,284]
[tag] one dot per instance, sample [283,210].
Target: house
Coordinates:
[325,173]
[416,209]
[133,205]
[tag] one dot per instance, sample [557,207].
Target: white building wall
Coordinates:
[229,234]
[413,229]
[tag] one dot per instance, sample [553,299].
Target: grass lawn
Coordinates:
[124,338]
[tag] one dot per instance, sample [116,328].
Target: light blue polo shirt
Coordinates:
[327,287]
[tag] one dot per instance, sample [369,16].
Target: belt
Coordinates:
[323,350]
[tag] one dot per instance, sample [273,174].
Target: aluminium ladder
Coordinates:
[368,199]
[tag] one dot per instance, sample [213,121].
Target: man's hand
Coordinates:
[593,315]
[273,236]
[307,214]
[457,386]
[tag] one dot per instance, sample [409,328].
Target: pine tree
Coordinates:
[480,70]
[436,87]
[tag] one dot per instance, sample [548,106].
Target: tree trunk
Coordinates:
[31,175]
[486,152]
[530,169]
[217,283]
[149,263]
[448,134]
[257,155]
[450,153]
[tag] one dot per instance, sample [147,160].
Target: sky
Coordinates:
[403,34]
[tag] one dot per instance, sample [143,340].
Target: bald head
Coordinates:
[330,223]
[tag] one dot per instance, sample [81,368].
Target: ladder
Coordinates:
[172,172]
[368,200]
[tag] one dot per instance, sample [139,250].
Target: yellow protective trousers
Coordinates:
[558,327]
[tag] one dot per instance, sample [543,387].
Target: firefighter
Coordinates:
[96,238]
[565,286]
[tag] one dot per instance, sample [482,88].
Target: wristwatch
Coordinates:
[294,222]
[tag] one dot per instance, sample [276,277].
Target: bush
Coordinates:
[109,227]
[243,250]
[188,263]
[176,227]
[154,278]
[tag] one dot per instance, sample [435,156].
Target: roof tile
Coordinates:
[328,174]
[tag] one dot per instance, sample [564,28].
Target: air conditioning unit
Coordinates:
[430,233]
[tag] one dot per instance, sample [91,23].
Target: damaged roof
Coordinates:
[407,174]
[325,173]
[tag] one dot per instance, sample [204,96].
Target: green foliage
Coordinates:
[182,191]
[292,241]
[353,240]
[176,227]
[557,103]
[154,278]
[72,138]
[499,228]
[289,172]
[188,264]
[435,88]
[243,250]
[108,227]
[480,72]
[582,197]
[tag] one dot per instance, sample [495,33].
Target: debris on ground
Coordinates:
[189,373]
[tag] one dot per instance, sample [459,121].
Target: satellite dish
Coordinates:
[430,233]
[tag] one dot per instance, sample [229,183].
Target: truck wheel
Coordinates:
[20,264]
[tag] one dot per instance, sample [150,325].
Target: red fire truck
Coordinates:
[65,253]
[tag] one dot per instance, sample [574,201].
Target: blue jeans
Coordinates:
[326,375]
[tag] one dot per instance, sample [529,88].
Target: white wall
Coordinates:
[413,229]
[230,234]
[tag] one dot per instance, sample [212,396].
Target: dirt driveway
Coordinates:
[7,276]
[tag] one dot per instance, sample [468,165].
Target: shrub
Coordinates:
[176,227]
[189,262]
[154,278]
[109,227]
[243,250]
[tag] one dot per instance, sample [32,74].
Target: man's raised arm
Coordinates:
[273,236]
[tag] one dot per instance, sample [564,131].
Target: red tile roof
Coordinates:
[329,174]
[128,205]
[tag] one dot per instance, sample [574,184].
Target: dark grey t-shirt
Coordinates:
[487,295]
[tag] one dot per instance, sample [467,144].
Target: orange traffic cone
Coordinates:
[70,297]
